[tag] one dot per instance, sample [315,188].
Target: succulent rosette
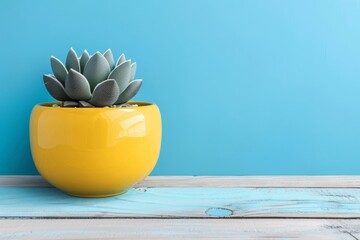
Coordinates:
[92,81]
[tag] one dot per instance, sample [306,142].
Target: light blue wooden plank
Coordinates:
[185,202]
[180,229]
[212,181]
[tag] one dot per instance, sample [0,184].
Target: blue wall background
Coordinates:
[245,87]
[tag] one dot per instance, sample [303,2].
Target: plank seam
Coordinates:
[172,217]
[212,181]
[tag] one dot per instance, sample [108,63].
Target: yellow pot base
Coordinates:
[95,195]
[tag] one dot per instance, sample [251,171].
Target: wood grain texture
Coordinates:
[179,229]
[278,207]
[202,202]
[213,181]
[253,181]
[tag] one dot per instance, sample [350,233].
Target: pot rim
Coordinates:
[140,104]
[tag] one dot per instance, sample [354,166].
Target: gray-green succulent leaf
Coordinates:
[76,86]
[55,88]
[72,61]
[92,81]
[121,59]
[109,57]
[133,71]
[96,69]
[83,60]
[70,104]
[85,104]
[121,74]
[59,69]
[130,91]
[105,93]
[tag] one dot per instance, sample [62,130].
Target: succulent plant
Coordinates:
[89,81]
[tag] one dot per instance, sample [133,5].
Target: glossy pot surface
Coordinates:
[95,152]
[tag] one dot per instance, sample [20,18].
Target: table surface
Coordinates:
[266,207]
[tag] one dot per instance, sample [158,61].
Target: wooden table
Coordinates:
[288,207]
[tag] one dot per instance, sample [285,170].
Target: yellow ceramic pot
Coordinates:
[95,152]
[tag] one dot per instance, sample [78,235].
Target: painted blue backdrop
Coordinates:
[245,87]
